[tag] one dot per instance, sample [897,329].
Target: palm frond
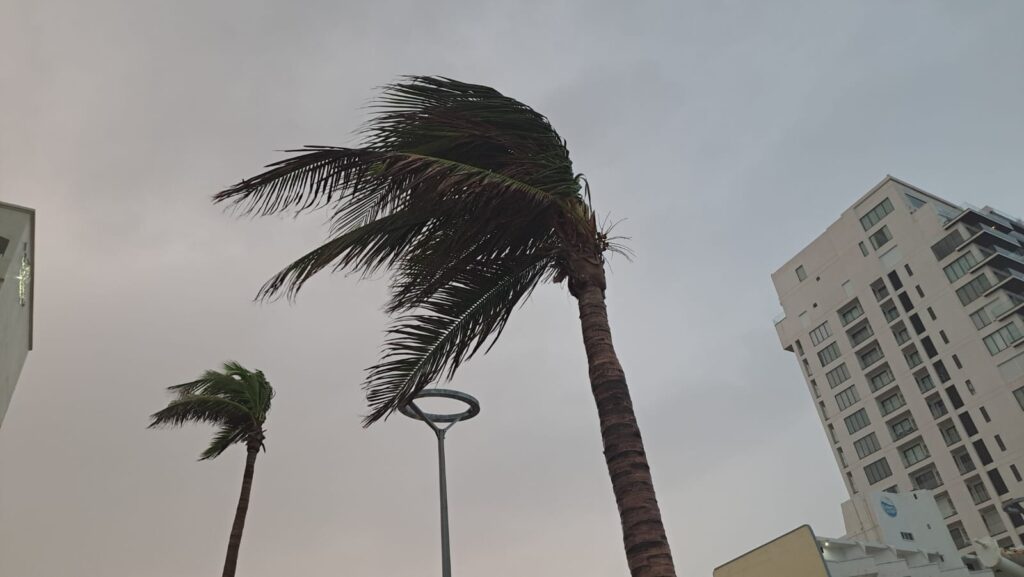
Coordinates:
[454,324]
[224,438]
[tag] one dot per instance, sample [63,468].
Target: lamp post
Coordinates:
[433,420]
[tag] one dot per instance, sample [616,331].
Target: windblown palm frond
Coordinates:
[236,400]
[459,191]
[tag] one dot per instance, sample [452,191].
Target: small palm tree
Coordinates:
[237,401]
[470,199]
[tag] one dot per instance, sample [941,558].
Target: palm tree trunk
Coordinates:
[647,549]
[235,541]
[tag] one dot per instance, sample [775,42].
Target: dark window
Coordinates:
[905,301]
[894,279]
[863,249]
[983,455]
[984,414]
[999,441]
[915,321]
[920,292]
[956,361]
[940,370]
[947,245]
[968,423]
[997,482]
[3,245]
[931,313]
[954,397]
[929,347]
[942,335]
[1016,473]
[906,267]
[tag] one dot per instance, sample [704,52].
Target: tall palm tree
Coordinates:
[237,401]
[469,198]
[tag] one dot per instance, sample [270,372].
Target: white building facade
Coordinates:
[906,317]
[17,260]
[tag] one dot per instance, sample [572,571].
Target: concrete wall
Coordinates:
[15,318]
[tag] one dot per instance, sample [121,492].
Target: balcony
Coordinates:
[987,236]
[1000,257]
[1011,281]
[971,216]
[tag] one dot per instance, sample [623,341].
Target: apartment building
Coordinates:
[906,317]
[17,255]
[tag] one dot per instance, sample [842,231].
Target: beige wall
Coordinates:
[794,554]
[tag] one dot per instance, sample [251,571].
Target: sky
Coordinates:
[724,135]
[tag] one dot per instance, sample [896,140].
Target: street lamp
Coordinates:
[433,420]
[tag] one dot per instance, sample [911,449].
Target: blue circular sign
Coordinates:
[888,506]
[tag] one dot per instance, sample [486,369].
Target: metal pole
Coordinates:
[446,555]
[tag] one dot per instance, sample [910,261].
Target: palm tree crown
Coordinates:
[466,195]
[236,400]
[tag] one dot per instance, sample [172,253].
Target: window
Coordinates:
[1002,339]
[894,278]
[847,397]
[993,522]
[807,367]
[983,455]
[890,312]
[1000,443]
[931,313]
[974,290]
[850,313]
[799,348]
[849,479]
[936,406]
[870,356]
[824,413]
[891,402]
[963,461]
[877,471]
[866,445]
[837,376]
[863,248]
[801,274]
[961,266]
[947,245]
[829,354]
[949,433]
[924,381]
[954,397]
[914,454]
[820,333]
[1019,394]
[842,457]
[4,242]
[814,387]
[832,433]
[860,334]
[968,423]
[959,535]
[879,289]
[876,214]
[912,356]
[880,379]
[970,387]
[915,321]
[1016,473]
[901,333]
[927,479]
[945,339]
[979,494]
[984,414]
[929,347]
[908,305]
[906,536]
[956,361]
[906,267]
[940,370]
[981,319]
[920,291]
[848,289]
[881,237]
[857,421]
[902,427]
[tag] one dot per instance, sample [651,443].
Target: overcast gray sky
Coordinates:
[728,134]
